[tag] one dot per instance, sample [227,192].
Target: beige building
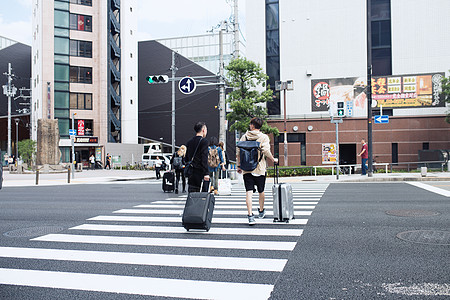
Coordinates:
[84,68]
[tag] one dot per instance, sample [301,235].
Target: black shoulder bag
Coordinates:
[189,169]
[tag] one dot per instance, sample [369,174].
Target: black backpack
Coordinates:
[248,153]
[178,162]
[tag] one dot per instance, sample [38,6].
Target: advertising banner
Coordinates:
[80,127]
[328,153]
[421,90]
[403,91]
[348,90]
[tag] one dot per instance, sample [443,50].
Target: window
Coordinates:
[61,72]
[131,55]
[61,45]
[61,19]
[131,9]
[131,101]
[80,48]
[80,101]
[80,74]
[426,146]
[131,78]
[394,153]
[80,22]
[273,52]
[82,2]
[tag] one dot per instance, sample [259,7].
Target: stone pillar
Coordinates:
[48,142]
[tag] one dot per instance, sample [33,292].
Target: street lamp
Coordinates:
[17,138]
[283,86]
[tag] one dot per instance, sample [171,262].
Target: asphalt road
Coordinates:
[348,249]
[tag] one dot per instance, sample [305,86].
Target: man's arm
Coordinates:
[203,148]
[265,147]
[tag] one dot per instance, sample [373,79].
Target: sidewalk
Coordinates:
[111,176]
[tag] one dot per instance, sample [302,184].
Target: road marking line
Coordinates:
[226,202]
[160,287]
[242,220]
[168,242]
[148,259]
[430,188]
[217,206]
[180,212]
[213,230]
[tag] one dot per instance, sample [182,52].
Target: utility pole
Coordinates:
[9,90]
[236,29]
[174,69]
[222,110]
[72,137]
[369,87]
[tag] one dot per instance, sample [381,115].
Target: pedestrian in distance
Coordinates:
[256,177]
[364,156]
[215,163]
[225,158]
[178,162]
[92,161]
[158,166]
[197,159]
[108,161]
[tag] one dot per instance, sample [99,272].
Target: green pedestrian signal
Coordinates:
[340,109]
[156,79]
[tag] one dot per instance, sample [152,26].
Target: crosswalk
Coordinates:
[228,262]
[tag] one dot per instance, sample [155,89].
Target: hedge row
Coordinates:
[298,171]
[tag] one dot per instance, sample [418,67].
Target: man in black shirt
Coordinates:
[198,145]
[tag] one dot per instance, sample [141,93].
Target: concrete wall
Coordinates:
[130,153]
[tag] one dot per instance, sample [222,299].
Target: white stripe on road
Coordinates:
[430,188]
[162,242]
[166,204]
[180,212]
[160,287]
[146,259]
[178,220]
[216,207]
[214,230]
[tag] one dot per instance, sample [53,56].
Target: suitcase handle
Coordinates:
[201,186]
[276,173]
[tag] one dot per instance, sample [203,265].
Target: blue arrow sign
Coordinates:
[187,85]
[381,119]
[72,132]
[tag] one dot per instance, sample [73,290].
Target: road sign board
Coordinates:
[72,132]
[187,85]
[381,119]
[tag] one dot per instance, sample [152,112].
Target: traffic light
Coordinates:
[155,79]
[340,109]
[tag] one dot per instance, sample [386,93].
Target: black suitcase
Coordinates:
[198,211]
[168,182]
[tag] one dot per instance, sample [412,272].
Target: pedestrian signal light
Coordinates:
[155,79]
[340,109]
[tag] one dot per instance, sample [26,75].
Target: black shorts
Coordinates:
[251,181]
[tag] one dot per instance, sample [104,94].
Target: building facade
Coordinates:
[322,47]
[84,68]
[204,49]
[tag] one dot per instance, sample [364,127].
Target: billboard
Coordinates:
[348,90]
[403,91]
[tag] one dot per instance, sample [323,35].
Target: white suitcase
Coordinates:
[283,200]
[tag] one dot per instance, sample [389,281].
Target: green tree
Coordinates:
[446,93]
[27,148]
[244,76]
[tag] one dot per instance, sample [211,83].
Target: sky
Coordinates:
[169,18]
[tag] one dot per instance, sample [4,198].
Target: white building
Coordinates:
[324,41]
[85,63]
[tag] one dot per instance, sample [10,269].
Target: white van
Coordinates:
[150,159]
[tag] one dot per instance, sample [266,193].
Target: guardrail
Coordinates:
[348,167]
[424,163]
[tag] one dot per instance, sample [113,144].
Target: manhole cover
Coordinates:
[412,213]
[33,231]
[431,237]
